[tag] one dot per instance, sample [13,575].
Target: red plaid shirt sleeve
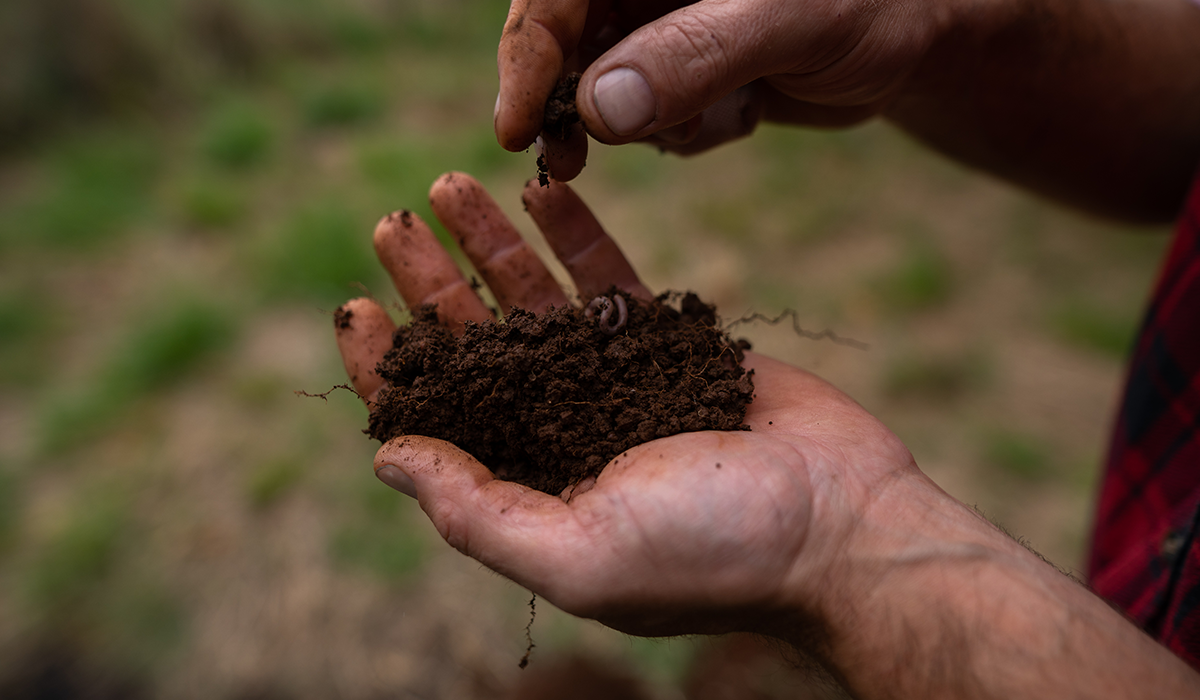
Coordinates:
[1145,555]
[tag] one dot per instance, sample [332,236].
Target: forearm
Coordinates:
[934,602]
[1093,102]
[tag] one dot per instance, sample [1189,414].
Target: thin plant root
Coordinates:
[826,334]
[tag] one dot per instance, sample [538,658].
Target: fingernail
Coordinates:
[393,477]
[625,101]
[539,146]
[496,109]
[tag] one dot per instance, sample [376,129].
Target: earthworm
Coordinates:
[605,306]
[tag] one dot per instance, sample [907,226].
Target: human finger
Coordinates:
[780,108]
[579,241]
[364,334]
[509,266]
[514,530]
[672,69]
[538,36]
[423,272]
[732,117]
[564,158]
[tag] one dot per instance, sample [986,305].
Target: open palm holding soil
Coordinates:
[815,526]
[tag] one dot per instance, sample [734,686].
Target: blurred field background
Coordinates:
[188,190]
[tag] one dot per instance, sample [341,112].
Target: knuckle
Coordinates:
[705,66]
[451,526]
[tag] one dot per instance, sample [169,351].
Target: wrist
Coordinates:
[923,576]
[910,545]
[928,599]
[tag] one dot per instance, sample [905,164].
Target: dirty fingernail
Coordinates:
[625,101]
[393,477]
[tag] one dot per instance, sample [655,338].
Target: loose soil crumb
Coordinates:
[547,400]
[561,112]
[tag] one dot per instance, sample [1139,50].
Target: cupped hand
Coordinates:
[687,76]
[699,532]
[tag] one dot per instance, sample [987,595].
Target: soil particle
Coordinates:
[547,400]
[342,318]
[561,112]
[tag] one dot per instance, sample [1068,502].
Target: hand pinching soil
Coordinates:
[560,115]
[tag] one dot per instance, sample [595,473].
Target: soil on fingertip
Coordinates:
[561,112]
[546,400]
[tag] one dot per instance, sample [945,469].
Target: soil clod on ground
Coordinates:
[547,400]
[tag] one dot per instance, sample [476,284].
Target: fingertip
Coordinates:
[436,467]
[364,335]
[445,480]
[446,192]
[565,158]
[512,137]
[392,476]
[389,226]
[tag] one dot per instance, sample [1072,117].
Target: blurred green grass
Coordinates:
[157,352]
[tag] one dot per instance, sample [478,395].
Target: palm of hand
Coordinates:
[674,532]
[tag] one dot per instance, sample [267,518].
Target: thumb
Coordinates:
[509,528]
[671,70]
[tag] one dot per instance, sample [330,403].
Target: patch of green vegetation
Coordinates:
[162,348]
[142,622]
[934,377]
[627,169]
[447,27]
[237,136]
[821,220]
[730,217]
[10,507]
[796,155]
[80,555]
[320,254]
[924,279]
[401,171]
[382,537]
[25,333]
[342,104]
[1102,329]
[214,202]
[664,660]
[270,481]
[261,390]
[482,156]
[1020,455]
[95,185]
[393,553]
[358,34]
[769,293]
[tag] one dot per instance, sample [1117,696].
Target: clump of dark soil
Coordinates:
[560,115]
[561,112]
[547,400]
